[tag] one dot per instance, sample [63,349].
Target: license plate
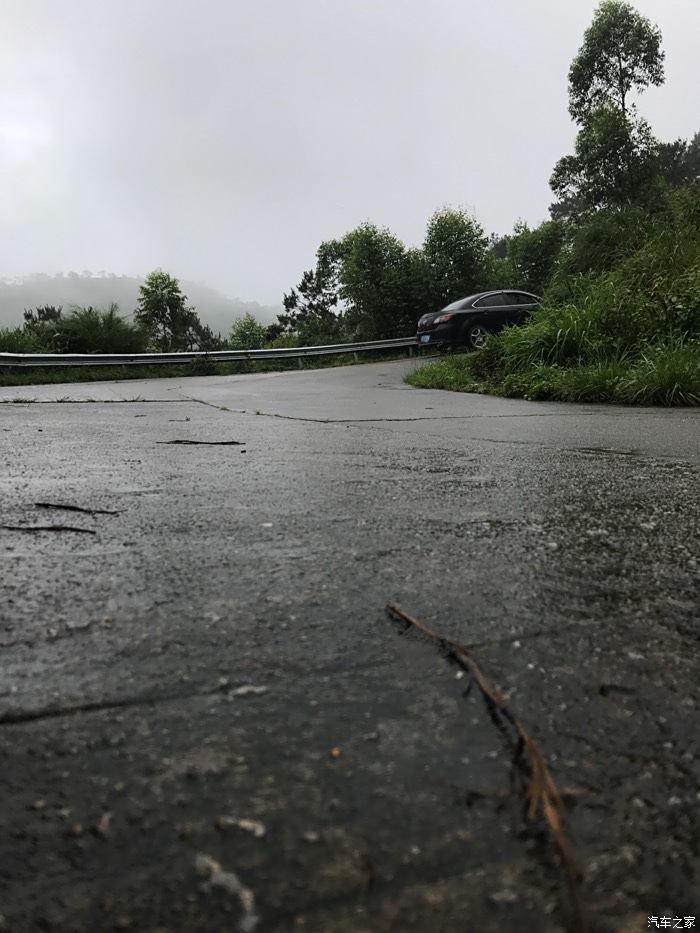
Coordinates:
[425,338]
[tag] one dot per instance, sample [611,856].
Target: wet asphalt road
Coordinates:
[217,650]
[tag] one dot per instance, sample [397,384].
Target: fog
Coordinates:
[224,140]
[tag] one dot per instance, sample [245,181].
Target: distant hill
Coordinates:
[101,290]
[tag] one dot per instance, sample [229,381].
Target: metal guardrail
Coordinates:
[220,356]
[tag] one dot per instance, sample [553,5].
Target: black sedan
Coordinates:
[467,322]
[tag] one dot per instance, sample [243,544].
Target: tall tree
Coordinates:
[616,156]
[621,52]
[171,324]
[376,284]
[615,163]
[311,309]
[454,252]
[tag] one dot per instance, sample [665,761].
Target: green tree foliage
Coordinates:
[311,309]
[377,279]
[626,327]
[365,286]
[597,245]
[247,334]
[532,255]
[621,52]
[679,162]
[170,323]
[90,330]
[615,163]
[46,314]
[83,330]
[616,160]
[454,256]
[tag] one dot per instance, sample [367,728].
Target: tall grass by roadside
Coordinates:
[666,374]
[629,333]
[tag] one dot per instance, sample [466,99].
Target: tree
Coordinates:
[311,309]
[454,251]
[46,314]
[614,164]
[679,162]
[621,52]
[531,255]
[377,279]
[92,330]
[247,334]
[171,324]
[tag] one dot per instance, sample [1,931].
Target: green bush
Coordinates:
[247,334]
[83,330]
[90,330]
[20,340]
[627,329]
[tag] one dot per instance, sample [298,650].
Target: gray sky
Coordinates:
[225,139]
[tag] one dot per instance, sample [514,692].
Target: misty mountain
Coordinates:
[101,289]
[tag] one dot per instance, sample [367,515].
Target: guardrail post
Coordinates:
[299,362]
[356,356]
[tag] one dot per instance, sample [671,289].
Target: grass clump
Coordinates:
[627,331]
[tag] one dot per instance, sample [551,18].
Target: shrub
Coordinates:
[621,321]
[247,334]
[90,330]
[20,340]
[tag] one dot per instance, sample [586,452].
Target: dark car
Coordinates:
[468,321]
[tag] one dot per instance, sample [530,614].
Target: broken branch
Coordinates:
[76,508]
[206,443]
[84,531]
[541,792]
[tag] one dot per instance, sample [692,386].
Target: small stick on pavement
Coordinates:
[84,531]
[542,793]
[205,443]
[76,508]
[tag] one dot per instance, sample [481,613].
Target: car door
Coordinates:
[493,308]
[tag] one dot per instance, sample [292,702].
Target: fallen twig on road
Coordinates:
[540,791]
[76,508]
[206,443]
[84,531]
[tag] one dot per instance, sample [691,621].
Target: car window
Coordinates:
[520,298]
[491,301]
[459,305]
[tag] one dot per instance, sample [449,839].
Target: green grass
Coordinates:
[626,332]
[666,374]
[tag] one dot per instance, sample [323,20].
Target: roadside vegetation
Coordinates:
[626,329]
[617,264]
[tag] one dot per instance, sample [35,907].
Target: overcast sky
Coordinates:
[223,140]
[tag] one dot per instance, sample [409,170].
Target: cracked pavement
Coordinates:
[218,651]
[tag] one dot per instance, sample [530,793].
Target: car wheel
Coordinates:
[475,336]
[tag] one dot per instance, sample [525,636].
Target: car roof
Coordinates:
[494,291]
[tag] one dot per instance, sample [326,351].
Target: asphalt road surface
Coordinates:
[209,723]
